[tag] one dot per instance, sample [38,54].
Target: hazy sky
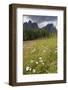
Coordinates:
[41,20]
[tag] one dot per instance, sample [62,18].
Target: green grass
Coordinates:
[40,56]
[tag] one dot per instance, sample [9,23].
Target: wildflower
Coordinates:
[40,58]
[34,70]
[36,62]
[27,68]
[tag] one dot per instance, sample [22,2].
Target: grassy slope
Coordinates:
[40,56]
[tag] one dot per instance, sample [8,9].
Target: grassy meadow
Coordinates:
[40,56]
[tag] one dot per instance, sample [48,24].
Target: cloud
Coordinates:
[40,19]
[45,23]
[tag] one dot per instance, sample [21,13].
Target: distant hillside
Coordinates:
[29,25]
[50,28]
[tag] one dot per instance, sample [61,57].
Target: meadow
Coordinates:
[40,56]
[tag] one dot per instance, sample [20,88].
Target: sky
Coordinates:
[41,20]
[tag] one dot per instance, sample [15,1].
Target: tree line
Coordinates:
[32,34]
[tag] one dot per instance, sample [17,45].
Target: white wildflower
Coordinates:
[34,70]
[27,68]
[36,62]
[40,58]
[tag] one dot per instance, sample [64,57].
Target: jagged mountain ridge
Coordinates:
[50,28]
[29,25]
